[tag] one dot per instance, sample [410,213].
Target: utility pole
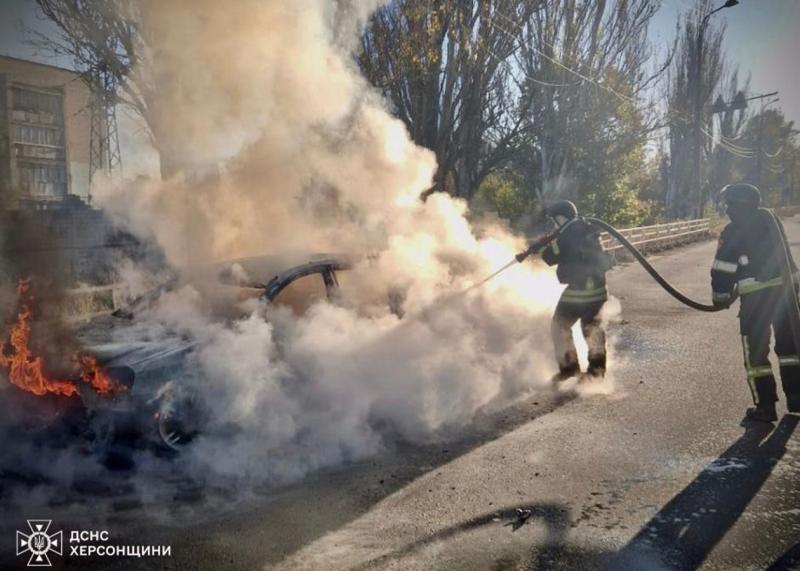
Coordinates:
[104,153]
[760,150]
[698,106]
[740,103]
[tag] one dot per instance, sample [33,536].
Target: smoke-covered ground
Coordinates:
[284,146]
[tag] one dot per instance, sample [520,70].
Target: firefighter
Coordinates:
[581,265]
[749,263]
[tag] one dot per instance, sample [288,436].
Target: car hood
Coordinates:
[139,355]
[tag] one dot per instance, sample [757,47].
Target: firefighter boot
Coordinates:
[764,397]
[566,372]
[597,366]
[761,413]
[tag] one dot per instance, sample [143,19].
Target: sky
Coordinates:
[761,38]
[15,16]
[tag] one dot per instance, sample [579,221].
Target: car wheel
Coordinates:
[178,422]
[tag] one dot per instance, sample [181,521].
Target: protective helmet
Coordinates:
[741,194]
[563,208]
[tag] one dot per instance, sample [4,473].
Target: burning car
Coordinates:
[126,390]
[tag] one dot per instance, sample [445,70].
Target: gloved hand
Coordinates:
[522,255]
[535,246]
[721,304]
[724,301]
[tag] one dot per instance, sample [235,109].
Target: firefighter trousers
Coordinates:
[764,312]
[566,315]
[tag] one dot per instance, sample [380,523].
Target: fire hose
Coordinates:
[652,271]
[785,259]
[788,281]
[636,254]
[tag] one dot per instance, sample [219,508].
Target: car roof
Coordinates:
[261,270]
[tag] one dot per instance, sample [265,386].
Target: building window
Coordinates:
[38,106]
[47,181]
[37,131]
[35,135]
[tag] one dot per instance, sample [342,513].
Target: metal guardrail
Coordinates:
[659,236]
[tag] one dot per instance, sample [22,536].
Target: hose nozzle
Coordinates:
[537,245]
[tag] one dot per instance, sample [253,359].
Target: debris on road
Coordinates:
[522,517]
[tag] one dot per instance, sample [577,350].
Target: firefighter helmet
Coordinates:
[741,194]
[563,208]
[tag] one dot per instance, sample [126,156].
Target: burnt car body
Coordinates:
[159,410]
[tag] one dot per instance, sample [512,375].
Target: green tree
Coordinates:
[587,69]
[505,192]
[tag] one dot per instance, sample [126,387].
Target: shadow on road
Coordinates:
[685,530]
[789,561]
[555,517]
[403,464]
[306,510]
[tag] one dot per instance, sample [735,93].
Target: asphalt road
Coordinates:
[657,475]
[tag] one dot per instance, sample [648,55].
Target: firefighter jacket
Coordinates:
[582,263]
[750,257]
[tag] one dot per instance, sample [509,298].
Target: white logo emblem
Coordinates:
[38,543]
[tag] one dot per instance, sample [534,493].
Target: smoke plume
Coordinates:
[283,146]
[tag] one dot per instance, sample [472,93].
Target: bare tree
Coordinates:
[109,45]
[445,67]
[689,99]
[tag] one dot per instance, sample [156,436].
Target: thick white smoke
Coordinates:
[266,95]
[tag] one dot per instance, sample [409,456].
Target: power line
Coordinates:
[740,152]
[737,151]
[774,155]
[534,79]
[622,97]
[728,142]
[494,24]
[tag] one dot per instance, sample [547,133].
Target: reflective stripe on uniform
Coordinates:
[756,372]
[584,299]
[749,285]
[554,244]
[789,360]
[723,266]
[585,292]
[751,384]
[571,295]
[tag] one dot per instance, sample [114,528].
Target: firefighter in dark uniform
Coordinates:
[582,266]
[749,263]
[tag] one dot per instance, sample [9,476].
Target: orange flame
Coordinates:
[93,373]
[27,371]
